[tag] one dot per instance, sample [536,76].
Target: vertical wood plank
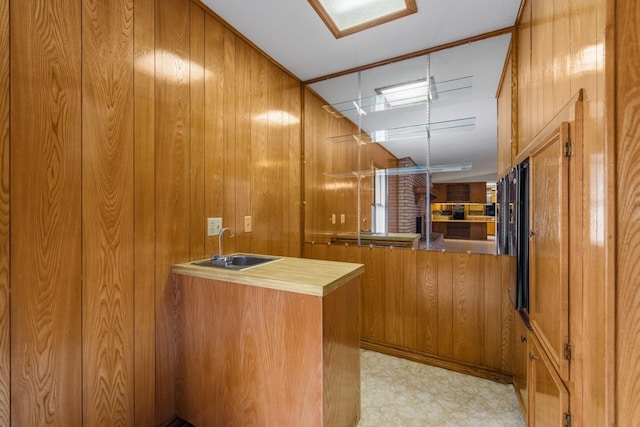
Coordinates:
[468,310]
[507,264]
[197,224]
[627,301]
[409,298]
[562,71]
[259,174]
[231,152]
[172,186]
[214,124]
[393,296]
[144,207]
[275,154]
[525,88]
[45,178]
[5,250]
[445,304]
[243,144]
[107,213]
[493,320]
[294,184]
[427,301]
[373,294]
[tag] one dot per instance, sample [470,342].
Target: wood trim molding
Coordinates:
[422,52]
[567,114]
[415,356]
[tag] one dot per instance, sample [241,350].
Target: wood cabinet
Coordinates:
[460,192]
[252,355]
[548,396]
[466,230]
[520,358]
[549,243]
[554,229]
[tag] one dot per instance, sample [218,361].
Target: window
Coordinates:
[348,17]
[379,206]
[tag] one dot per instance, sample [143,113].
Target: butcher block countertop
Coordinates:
[299,275]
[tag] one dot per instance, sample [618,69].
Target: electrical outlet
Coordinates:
[343,219]
[333,218]
[214,225]
[247,224]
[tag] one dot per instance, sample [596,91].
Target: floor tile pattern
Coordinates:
[402,393]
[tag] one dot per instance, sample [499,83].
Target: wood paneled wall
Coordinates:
[131,123]
[5,360]
[46,225]
[505,127]
[447,309]
[326,194]
[627,200]
[561,50]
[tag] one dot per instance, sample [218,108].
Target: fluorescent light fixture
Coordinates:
[414,92]
[348,17]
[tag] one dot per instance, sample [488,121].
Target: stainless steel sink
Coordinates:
[236,261]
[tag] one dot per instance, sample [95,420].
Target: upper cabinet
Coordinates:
[506,127]
[459,192]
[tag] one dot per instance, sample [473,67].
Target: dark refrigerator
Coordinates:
[522,237]
[513,230]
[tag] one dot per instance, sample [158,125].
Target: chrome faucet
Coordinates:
[220,239]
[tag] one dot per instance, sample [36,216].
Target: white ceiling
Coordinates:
[293,35]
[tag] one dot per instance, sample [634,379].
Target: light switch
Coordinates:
[342,219]
[247,224]
[333,218]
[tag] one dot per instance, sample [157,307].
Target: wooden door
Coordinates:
[548,396]
[520,357]
[549,243]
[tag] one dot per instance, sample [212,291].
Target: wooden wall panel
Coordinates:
[575,33]
[172,186]
[393,296]
[230,147]
[274,159]
[214,125]
[409,299]
[197,139]
[427,301]
[627,386]
[294,184]
[107,213]
[445,305]
[144,206]
[468,309]
[242,145]
[46,238]
[523,50]
[447,309]
[259,135]
[373,294]
[493,315]
[5,253]
[505,136]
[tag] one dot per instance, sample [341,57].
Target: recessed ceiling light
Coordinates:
[348,17]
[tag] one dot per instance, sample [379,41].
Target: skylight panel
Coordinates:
[345,17]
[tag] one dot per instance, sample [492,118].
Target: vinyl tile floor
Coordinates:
[400,393]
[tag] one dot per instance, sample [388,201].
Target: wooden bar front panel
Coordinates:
[258,356]
[448,309]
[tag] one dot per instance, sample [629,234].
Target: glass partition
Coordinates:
[385,149]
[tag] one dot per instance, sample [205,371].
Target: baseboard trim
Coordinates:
[427,359]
